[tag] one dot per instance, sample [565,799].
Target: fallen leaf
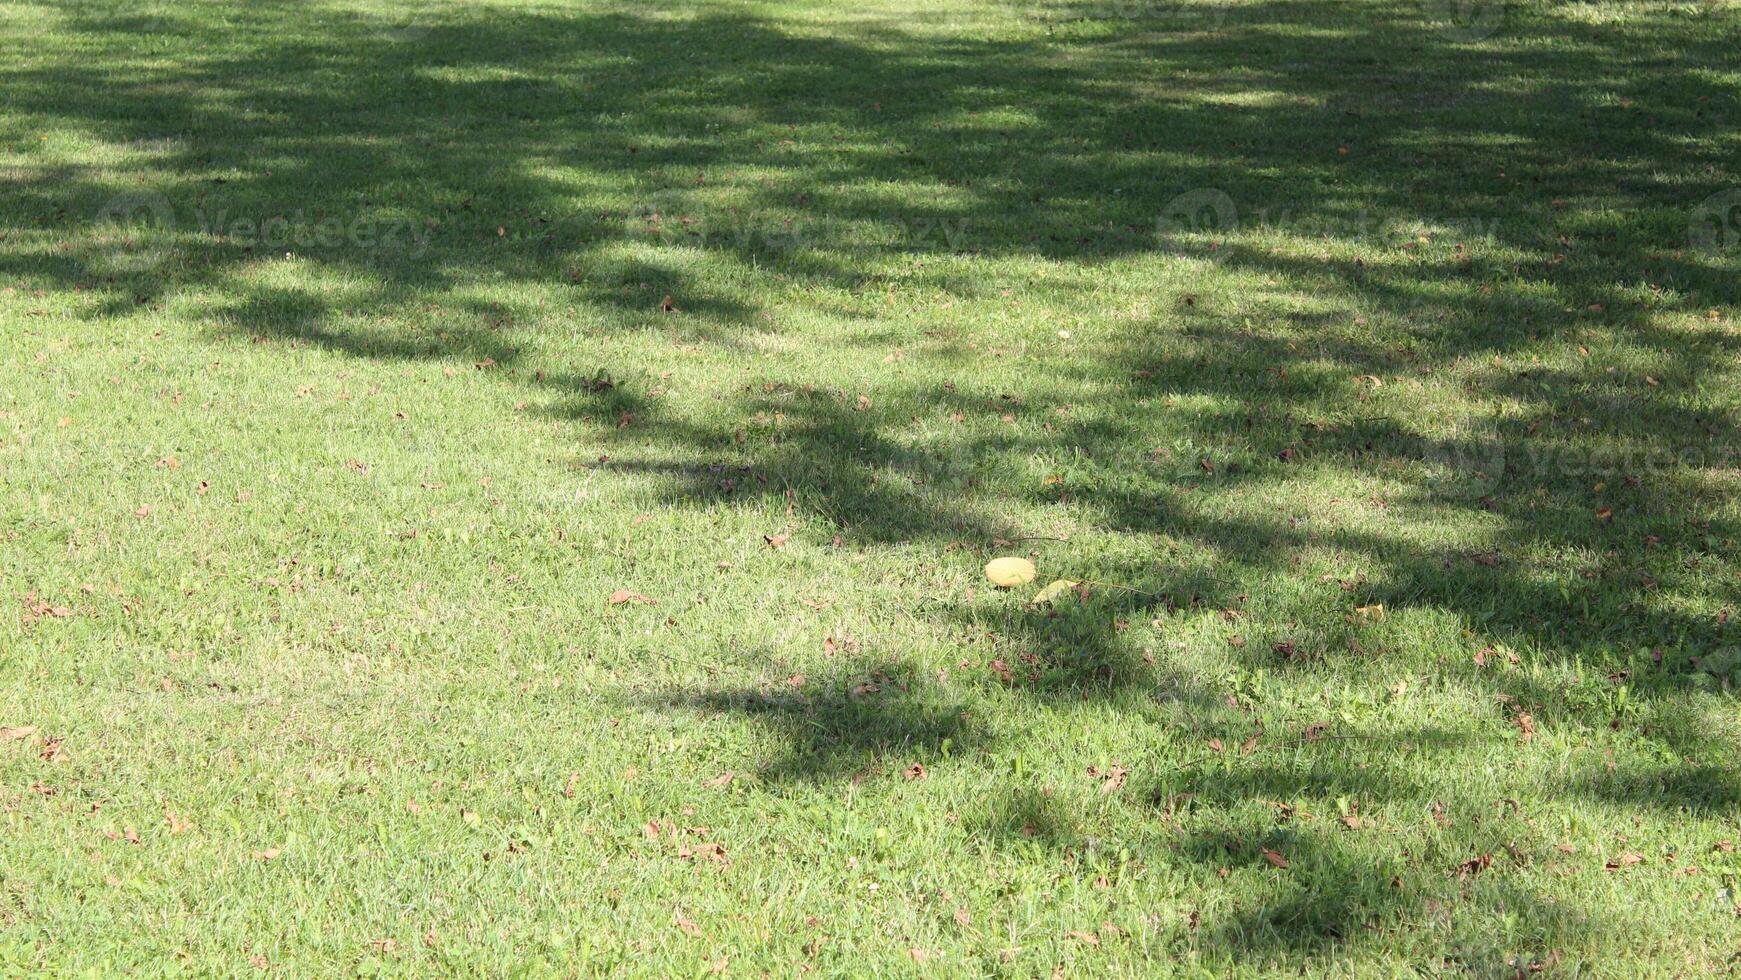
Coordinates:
[1057,588]
[1474,865]
[1114,778]
[1625,860]
[1525,726]
[720,780]
[774,540]
[621,596]
[1085,937]
[14,734]
[1008,572]
[1275,858]
[914,771]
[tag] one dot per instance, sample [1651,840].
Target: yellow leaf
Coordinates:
[1371,613]
[1007,572]
[1053,591]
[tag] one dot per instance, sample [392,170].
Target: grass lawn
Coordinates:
[502,486]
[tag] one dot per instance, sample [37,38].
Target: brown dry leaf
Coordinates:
[1525,726]
[687,926]
[175,822]
[621,596]
[775,540]
[1115,774]
[1474,865]
[131,835]
[706,849]
[914,771]
[14,734]
[1084,937]
[962,919]
[1275,858]
[720,780]
[1625,860]
[267,854]
[569,784]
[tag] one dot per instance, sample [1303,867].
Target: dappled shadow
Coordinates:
[847,724]
[696,177]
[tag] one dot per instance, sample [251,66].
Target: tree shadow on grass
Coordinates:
[1488,200]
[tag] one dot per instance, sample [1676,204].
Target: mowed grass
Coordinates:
[1372,365]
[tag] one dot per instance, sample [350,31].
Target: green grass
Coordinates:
[338,395]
